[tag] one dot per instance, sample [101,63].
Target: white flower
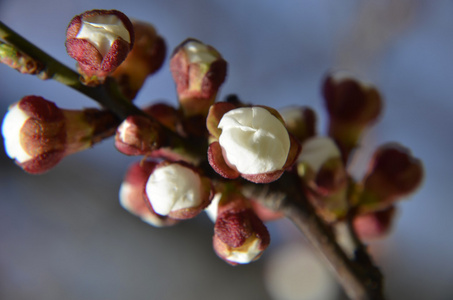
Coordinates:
[11,131]
[317,150]
[102,31]
[253,140]
[173,187]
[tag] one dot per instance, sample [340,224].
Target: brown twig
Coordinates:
[359,277]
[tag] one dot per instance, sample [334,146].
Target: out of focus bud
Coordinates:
[198,71]
[240,237]
[300,122]
[374,224]
[252,142]
[38,134]
[137,135]
[132,196]
[393,173]
[99,40]
[145,58]
[177,190]
[352,106]
[321,169]
[18,60]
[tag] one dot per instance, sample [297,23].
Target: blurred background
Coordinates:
[63,235]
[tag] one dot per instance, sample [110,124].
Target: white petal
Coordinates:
[11,128]
[317,150]
[253,140]
[199,53]
[244,256]
[213,208]
[173,187]
[102,31]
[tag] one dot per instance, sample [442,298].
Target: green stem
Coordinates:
[108,94]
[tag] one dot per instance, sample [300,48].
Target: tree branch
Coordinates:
[360,278]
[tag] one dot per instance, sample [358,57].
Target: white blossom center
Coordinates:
[11,131]
[173,187]
[253,140]
[102,31]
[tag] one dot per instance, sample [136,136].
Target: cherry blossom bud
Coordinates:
[252,142]
[145,58]
[240,237]
[352,106]
[322,171]
[393,173]
[132,196]
[300,122]
[99,40]
[198,71]
[38,134]
[137,135]
[177,190]
[374,225]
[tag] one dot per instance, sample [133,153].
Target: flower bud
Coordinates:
[145,58]
[352,105]
[300,122]
[178,190]
[38,134]
[19,60]
[374,225]
[99,40]
[321,169]
[137,135]
[132,196]
[198,71]
[252,142]
[393,173]
[240,237]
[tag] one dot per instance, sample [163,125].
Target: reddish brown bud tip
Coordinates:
[375,224]
[240,236]
[99,40]
[351,101]
[34,131]
[137,135]
[198,71]
[393,173]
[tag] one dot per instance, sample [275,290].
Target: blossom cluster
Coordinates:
[199,156]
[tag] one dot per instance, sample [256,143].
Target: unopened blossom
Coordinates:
[375,224]
[352,105]
[137,135]
[132,196]
[240,237]
[177,190]
[321,169]
[38,134]
[145,58]
[252,142]
[393,173]
[198,71]
[99,40]
[300,121]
